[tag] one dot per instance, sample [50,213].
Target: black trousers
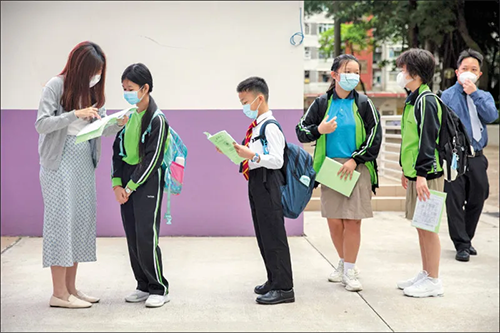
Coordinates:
[267,213]
[141,216]
[465,200]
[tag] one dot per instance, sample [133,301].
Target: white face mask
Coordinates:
[94,80]
[467,76]
[402,80]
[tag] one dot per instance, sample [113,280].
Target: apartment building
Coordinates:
[379,81]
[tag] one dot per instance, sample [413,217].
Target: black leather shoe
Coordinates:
[262,289]
[277,297]
[462,255]
[472,251]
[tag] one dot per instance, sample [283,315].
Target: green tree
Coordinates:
[444,27]
[327,41]
[354,37]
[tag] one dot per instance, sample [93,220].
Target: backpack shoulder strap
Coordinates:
[148,130]
[361,101]
[422,95]
[322,105]
[418,102]
[262,133]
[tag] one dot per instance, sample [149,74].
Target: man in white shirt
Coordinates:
[263,170]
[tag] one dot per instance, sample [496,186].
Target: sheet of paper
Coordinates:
[96,128]
[327,176]
[428,213]
[120,114]
[224,142]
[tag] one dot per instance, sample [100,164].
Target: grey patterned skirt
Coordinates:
[69,197]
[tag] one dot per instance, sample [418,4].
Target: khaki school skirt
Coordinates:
[356,207]
[412,197]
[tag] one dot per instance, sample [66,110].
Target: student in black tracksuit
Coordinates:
[138,181]
[265,177]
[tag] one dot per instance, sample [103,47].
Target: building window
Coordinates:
[393,76]
[307,52]
[323,76]
[377,79]
[307,76]
[394,52]
[307,28]
[324,55]
[322,27]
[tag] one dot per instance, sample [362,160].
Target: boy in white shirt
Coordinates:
[263,171]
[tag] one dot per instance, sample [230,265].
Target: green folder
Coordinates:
[97,127]
[224,142]
[95,131]
[327,176]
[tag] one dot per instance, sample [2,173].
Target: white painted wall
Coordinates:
[201,50]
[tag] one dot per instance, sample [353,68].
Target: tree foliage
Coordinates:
[444,27]
[355,37]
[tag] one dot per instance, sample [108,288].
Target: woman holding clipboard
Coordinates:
[67,169]
[346,128]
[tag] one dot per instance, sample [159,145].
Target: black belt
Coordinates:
[477,153]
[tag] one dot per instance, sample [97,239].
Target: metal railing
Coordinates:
[388,158]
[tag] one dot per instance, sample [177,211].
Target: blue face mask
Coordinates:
[348,81]
[132,97]
[252,114]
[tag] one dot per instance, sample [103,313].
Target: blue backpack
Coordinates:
[299,175]
[174,172]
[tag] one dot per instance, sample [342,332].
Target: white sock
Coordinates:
[342,260]
[348,266]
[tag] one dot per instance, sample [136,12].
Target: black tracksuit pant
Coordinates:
[465,200]
[267,213]
[141,216]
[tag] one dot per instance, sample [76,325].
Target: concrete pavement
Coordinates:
[212,282]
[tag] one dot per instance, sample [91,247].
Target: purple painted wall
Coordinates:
[214,200]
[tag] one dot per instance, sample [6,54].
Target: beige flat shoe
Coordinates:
[71,303]
[86,298]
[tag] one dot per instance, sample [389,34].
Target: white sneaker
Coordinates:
[155,301]
[425,288]
[351,282]
[337,275]
[137,296]
[408,283]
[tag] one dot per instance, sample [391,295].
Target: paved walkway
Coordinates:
[492,152]
[212,282]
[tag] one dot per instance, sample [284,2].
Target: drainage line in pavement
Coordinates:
[321,254]
[375,312]
[11,245]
